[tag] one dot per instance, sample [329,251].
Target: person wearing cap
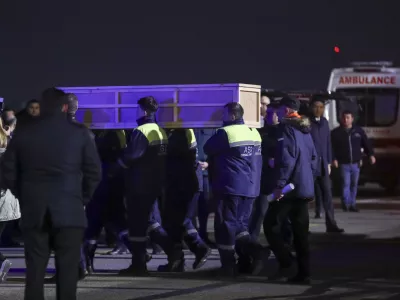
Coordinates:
[321,135]
[295,163]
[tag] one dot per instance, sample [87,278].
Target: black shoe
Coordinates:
[173,266]
[299,279]
[201,258]
[134,271]
[345,209]
[317,216]
[353,209]
[83,273]
[334,229]
[259,262]
[244,267]
[51,280]
[5,267]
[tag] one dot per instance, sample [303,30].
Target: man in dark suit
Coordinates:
[321,135]
[52,166]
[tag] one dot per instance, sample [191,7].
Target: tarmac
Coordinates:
[362,263]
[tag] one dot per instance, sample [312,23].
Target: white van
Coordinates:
[372,89]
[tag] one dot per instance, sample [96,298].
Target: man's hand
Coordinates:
[271,163]
[278,194]
[372,160]
[203,165]
[335,163]
[329,169]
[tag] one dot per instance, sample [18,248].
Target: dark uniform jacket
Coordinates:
[321,135]
[296,160]
[52,166]
[202,136]
[269,137]
[347,144]
[144,158]
[230,154]
[183,169]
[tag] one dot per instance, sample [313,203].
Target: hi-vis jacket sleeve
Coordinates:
[217,144]
[135,149]
[286,157]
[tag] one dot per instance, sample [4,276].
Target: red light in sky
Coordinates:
[336,49]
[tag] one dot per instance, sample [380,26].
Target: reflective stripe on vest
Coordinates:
[239,135]
[191,138]
[256,136]
[121,138]
[154,134]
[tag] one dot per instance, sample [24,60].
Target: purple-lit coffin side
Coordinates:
[187,106]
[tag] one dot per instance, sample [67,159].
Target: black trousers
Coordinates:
[277,214]
[323,197]
[2,226]
[66,243]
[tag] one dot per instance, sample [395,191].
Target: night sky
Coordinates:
[278,44]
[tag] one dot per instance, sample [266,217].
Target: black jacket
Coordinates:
[347,144]
[52,166]
[269,137]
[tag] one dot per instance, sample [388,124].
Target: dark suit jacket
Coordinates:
[52,166]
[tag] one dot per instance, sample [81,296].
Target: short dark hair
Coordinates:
[148,104]
[72,103]
[235,109]
[347,112]
[53,100]
[318,98]
[32,102]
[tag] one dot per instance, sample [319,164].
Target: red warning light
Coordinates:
[336,49]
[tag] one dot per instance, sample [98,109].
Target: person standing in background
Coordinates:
[347,141]
[33,108]
[54,178]
[320,133]
[9,207]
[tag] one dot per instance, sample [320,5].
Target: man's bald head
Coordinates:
[72,103]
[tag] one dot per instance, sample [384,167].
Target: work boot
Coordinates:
[227,273]
[259,260]
[89,252]
[201,257]
[299,279]
[176,261]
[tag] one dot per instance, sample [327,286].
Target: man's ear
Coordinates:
[64,108]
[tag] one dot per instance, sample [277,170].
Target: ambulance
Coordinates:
[372,92]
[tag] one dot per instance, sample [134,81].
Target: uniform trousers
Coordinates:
[323,196]
[38,243]
[144,220]
[231,228]
[297,211]
[181,208]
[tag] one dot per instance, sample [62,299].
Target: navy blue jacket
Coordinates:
[144,158]
[347,144]
[296,159]
[183,170]
[321,135]
[230,154]
[202,136]
[269,136]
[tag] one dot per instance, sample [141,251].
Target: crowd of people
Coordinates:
[151,185]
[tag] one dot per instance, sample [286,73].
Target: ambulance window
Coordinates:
[372,107]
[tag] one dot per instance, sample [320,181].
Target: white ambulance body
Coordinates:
[372,90]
